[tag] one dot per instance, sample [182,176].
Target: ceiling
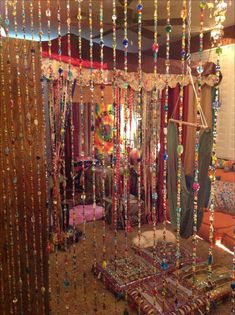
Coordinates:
[147,13]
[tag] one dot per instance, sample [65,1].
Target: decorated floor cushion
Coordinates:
[122,273]
[149,297]
[225,197]
[153,299]
[222,221]
[219,285]
[155,255]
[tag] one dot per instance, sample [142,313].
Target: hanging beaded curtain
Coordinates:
[43,142]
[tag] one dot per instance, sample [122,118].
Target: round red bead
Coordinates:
[155,47]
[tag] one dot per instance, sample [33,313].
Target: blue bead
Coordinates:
[210,259]
[164,266]
[183,53]
[178,210]
[60,70]
[7,22]
[165,157]
[139,7]
[125,42]
[233,285]
[66,283]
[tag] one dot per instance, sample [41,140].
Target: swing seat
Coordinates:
[187,193]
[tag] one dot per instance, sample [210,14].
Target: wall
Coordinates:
[23,223]
[226,116]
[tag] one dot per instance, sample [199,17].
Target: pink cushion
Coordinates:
[87,215]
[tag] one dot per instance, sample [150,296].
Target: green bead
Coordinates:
[202,4]
[168,28]
[180,149]
[218,50]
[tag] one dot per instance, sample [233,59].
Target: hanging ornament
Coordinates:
[180,147]
[155,138]
[5,184]
[167,71]
[115,145]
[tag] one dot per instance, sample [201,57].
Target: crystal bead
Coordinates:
[114,17]
[200,69]
[66,283]
[178,210]
[180,149]
[155,47]
[7,150]
[125,42]
[164,266]
[101,43]
[104,264]
[196,186]
[43,290]
[48,13]
[202,5]
[168,28]
[218,50]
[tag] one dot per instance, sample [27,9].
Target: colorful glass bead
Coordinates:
[196,186]
[104,264]
[70,74]
[210,259]
[155,47]
[168,28]
[11,103]
[218,50]
[165,157]
[178,209]
[164,265]
[43,290]
[66,283]
[125,42]
[48,13]
[139,7]
[200,69]
[183,53]
[7,150]
[7,22]
[202,4]
[180,149]
[233,285]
